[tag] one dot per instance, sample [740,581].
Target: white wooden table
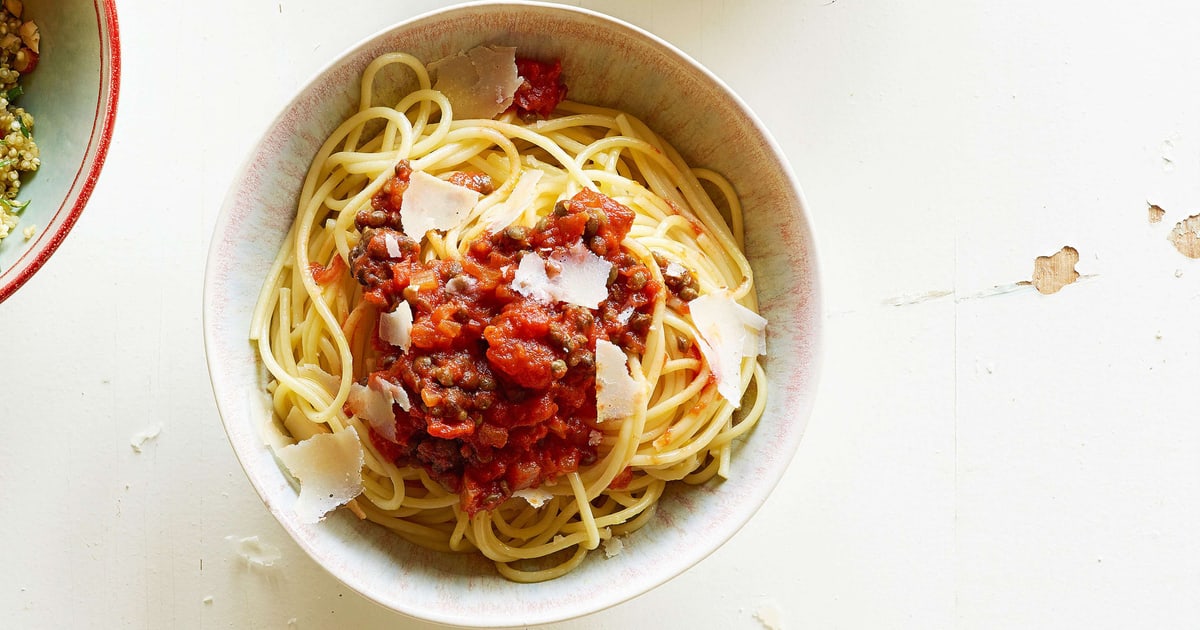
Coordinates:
[981,455]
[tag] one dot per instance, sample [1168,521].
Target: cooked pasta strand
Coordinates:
[317,336]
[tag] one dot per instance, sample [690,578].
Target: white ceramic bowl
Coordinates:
[72,95]
[605,62]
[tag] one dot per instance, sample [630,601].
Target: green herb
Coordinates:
[24,129]
[16,91]
[7,162]
[13,206]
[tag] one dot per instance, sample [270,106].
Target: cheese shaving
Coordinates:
[373,403]
[369,404]
[583,280]
[617,394]
[395,327]
[460,284]
[522,197]
[329,467]
[479,83]
[613,547]
[328,382]
[530,278]
[582,277]
[728,333]
[431,203]
[393,245]
[392,391]
[535,497]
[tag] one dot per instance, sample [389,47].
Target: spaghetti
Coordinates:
[497,436]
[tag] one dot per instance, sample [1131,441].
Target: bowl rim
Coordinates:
[814,306]
[64,218]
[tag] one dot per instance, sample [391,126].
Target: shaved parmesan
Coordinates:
[582,278]
[330,383]
[522,196]
[373,403]
[329,467]
[613,547]
[434,204]
[460,284]
[369,404]
[617,394]
[394,327]
[272,431]
[729,332]
[534,496]
[479,83]
[391,390]
[530,278]
[393,245]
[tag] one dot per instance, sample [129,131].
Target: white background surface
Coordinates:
[975,460]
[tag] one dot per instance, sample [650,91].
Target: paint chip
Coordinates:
[255,552]
[769,616]
[1186,236]
[139,439]
[1052,273]
[1156,213]
[1168,156]
[910,299]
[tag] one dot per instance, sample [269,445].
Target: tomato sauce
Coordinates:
[502,386]
[326,274]
[541,91]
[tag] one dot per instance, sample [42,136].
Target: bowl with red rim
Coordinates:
[72,95]
[605,62]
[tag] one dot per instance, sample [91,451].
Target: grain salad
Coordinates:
[19,45]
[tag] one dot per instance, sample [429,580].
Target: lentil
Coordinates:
[21,153]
